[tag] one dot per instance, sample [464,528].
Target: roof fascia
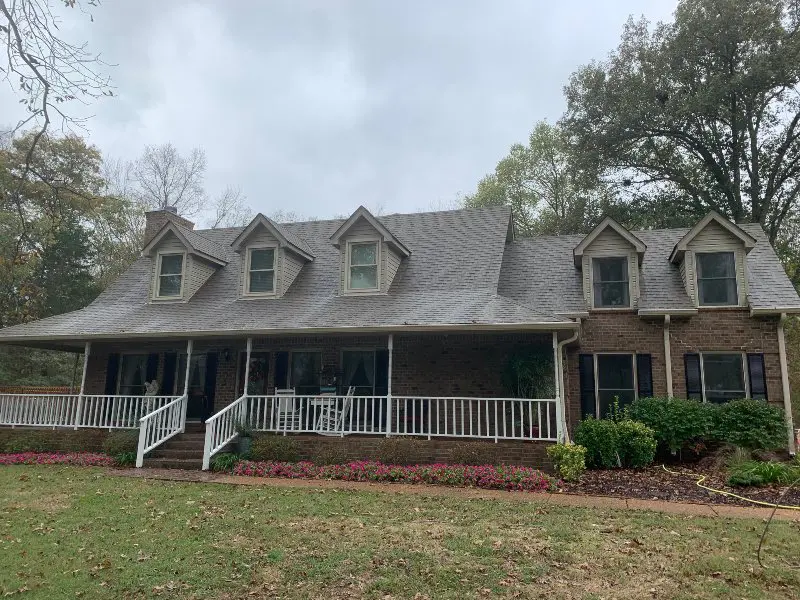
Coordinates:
[679,250]
[607,222]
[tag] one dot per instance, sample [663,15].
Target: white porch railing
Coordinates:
[74,410]
[158,426]
[478,418]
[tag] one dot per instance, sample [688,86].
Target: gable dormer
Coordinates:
[272,258]
[182,261]
[609,258]
[370,254]
[712,258]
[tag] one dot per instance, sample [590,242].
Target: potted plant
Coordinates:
[245,439]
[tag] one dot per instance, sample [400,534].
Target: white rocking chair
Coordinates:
[287,416]
[331,420]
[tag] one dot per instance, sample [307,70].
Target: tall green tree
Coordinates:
[703,111]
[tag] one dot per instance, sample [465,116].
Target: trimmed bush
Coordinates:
[473,453]
[752,424]
[401,451]
[676,423]
[274,447]
[600,437]
[637,444]
[329,454]
[224,461]
[121,442]
[569,460]
[51,440]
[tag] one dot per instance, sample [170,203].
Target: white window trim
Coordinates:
[745,373]
[246,291]
[633,356]
[122,356]
[591,284]
[157,282]
[378,258]
[696,257]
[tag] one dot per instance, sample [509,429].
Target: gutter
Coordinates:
[665,312]
[668,356]
[782,311]
[787,397]
[560,370]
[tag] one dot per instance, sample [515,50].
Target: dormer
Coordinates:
[182,260]
[712,258]
[272,258]
[370,254]
[609,258]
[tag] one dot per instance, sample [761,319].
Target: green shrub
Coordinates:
[569,460]
[329,453]
[224,461]
[676,423]
[473,453]
[600,437]
[125,459]
[756,473]
[121,442]
[401,451]
[274,447]
[750,424]
[637,444]
[33,441]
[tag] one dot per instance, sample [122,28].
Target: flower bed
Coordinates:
[485,477]
[81,459]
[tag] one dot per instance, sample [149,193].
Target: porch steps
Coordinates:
[184,451]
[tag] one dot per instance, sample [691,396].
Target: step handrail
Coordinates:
[221,428]
[158,426]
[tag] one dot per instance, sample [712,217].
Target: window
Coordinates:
[615,379]
[716,279]
[306,372]
[260,271]
[723,377]
[170,275]
[132,375]
[363,266]
[358,368]
[610,279]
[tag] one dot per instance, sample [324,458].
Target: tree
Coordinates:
[547,192]
[704,111]
[165,178]
[230,210]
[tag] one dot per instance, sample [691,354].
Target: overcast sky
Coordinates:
[318,106]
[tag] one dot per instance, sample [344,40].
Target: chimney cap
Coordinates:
[171,209]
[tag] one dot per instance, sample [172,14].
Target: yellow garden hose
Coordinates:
[700,481]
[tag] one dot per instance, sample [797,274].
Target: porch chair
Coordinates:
[288,417]
[332,419]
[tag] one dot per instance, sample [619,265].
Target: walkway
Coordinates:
[608,502]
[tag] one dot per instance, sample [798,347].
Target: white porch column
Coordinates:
[390,346]
[243,410]
[787,392]
[79,406]
[557,375]
[668,356]
[189,348]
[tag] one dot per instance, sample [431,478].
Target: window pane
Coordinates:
[606,398]
[363,254]
[169,285]
[132,374]
[306,372]
[364,278]
[717,264]
[615,371]
[611,294]
[359,370]
[262,281]
[717,291]
[262,258]
[171,264]
[723,376]
[610,269]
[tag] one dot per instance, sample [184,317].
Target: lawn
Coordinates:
[70,532]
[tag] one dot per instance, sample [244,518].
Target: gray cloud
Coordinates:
[319,106]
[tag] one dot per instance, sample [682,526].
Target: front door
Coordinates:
[202,383]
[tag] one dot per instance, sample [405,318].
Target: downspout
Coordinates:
[668,356]
[787,394]
[560,383]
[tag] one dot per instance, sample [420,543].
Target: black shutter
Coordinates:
[168,380]
[112,371]
[586,372]
[151,372]
[281,370]
[644,375]
[758,376]
[694,384]
[210,388]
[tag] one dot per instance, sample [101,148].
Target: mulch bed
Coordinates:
[654,483]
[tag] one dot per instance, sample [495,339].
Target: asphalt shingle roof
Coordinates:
[461,272]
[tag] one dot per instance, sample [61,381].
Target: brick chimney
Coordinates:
[156,219]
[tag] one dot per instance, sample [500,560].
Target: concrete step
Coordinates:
[187,464]
[162,452]
[182,444]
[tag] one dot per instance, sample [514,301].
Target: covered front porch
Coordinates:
[489,385]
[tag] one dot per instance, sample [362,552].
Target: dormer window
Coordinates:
[611,282]
[362,271]
[260,271]
[716,279]
[170,275]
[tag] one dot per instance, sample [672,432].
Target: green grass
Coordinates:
[80,533]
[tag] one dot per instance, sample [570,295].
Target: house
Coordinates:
[414,325]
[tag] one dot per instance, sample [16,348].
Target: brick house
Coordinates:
[441,325]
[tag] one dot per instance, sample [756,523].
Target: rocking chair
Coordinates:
[331,420]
